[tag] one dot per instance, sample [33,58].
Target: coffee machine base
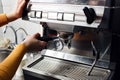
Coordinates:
[54,65]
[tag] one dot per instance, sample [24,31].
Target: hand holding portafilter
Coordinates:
[53,42]
[51,37]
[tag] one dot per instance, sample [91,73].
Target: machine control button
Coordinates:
[68,17]
[39,14]
[32,14]
[60,16]
[44,14]
[52,15]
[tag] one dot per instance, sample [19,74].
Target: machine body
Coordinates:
[81,35]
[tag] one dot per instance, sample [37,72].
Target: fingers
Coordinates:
[21,4]
[19,8]
[33,44]
[37,46]
[42,43]
[36,35]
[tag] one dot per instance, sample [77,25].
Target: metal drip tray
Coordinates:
[65,70]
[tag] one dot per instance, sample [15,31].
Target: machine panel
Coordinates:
[69,12]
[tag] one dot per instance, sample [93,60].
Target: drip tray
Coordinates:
[65,70]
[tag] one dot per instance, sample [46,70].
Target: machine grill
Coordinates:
[69,70]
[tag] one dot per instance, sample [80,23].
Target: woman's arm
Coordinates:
[3,19]
[17,13]
[9,66]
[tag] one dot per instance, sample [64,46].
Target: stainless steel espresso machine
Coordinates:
[82,39]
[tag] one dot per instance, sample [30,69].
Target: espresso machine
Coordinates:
[82,39]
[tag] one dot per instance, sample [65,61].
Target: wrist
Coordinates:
[25,44]
[11,17]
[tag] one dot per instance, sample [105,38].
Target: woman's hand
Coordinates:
[17,13]
[33,44]
[19,8]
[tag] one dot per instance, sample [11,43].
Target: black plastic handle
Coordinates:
[25,11]
[90,14]
[46,39]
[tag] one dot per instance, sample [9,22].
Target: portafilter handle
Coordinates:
[46,39]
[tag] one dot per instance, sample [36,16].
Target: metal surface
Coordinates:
[64,12]
[53,62]
[69,16]
[75,58]
[66,70]
[76,2]
[4,53]
[65,66]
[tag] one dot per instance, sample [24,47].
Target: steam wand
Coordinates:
[97,53]
[96,59]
